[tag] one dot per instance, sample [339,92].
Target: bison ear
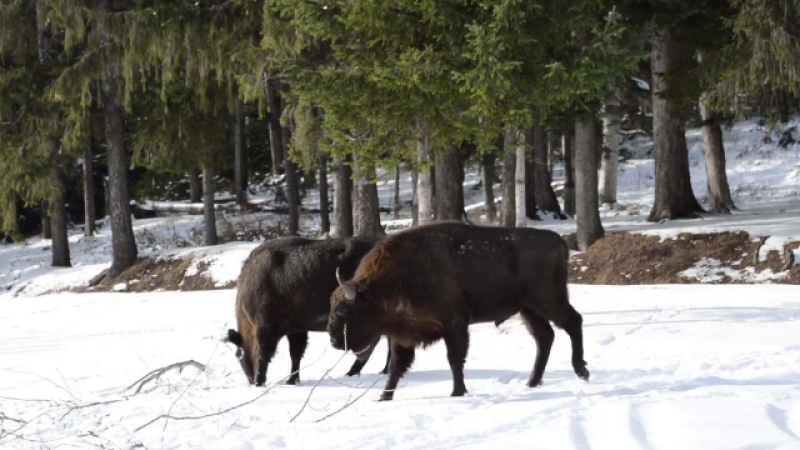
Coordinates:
[234,337]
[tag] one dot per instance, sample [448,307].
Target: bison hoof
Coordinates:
[534,383]
[352,372]
[458,392]
[293,381]
[386,396]
[583,374]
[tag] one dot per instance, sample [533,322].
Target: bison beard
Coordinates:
[432,282]
[284,290]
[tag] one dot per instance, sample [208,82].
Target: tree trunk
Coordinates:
[195,186]
[239,169]
[47,233]
[424,177]
[88,192]
[509,216]
[609,160]
[488,186]
[719,193]
[209,213]
[324,207]
[11,218]
[414,198]
[544,197]
[292,182]
[398,205]
[449,186]
[520,167]
[274,123]
[586,200]
[367,208]
[673,189]
[58,213]
[568,145]
[123,242]
[553,141]
[342,199]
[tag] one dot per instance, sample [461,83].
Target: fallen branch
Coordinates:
[313,388]
[4,417]
[157,373]
[346,405]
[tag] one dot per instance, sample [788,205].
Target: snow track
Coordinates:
[673,367]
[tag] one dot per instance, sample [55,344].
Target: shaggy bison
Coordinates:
[433,281]
[284,290]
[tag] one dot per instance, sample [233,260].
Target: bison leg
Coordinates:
[267,343]
[572,323]
[457,343]
[543,334]
[402,358]
[361,360]
[297,347]
[388,358]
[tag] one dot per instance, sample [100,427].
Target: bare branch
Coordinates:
[310,393]
[346,405]
[157,373]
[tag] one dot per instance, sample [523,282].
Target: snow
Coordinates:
[711,367]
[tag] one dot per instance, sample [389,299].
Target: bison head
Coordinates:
[352,324]
[243,354]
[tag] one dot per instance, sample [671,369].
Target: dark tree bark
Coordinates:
[366,207]
[719,193]
[292,182]
[195,186]
[58,214]
[586,197]
[239,170]
[209,213]
[123,241]
[509,216]
[544,198]
[568,145]
[398,205]
[343,198]
[324,207]
[449,186]
[44,207]
[11,219]
[88,193]
[274,123]
[487,161]
[674,197]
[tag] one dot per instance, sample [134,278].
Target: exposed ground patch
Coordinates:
[151,274]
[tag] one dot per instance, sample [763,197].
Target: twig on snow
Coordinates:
[310,393]
[346,405]
[157,373]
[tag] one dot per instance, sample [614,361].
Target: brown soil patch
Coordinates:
[150,274]
[641,259]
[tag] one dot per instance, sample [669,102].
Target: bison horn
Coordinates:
[349,289]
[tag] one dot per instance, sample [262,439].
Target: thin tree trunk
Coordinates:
[88,192]
[292,182]
[586,199]
[58,213]
[47,233]
[209,213]
[719,193]
[449,186]
[509,212]
[324,213]
[123,242]
[609,160]
[342,199]
[398,205]
[195,186]
[568,144]
[674,197]
[414,198]
[274,123]
[367,208]
[544,197]
[238,158]
[11,218]
[490,208]
[424,177]
[553,141]
[519,181]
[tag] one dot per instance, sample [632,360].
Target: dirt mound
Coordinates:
[150,274]
[642,259]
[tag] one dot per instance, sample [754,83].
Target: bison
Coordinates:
[284,290]
[431,282]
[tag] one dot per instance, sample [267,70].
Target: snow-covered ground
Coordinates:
[673,367]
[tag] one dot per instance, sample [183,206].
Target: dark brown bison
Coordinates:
[284,290]
[432,282]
